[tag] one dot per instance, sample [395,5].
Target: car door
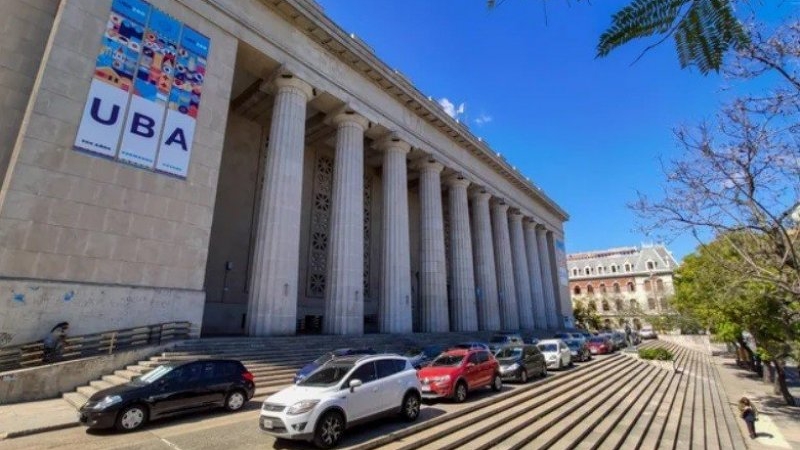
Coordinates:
[391,386]
[487,367]
[472,371]
[565,353]
[215,382]
[176,391]
[364,400]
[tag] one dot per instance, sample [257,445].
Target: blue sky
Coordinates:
[590,132]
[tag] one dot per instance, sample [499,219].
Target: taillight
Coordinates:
[248,376]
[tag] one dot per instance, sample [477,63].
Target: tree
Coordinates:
[729,304]
[585,316]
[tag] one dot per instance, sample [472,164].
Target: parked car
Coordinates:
[457,371]
[556,353]
[344,391]
[579,349]
[314,365]
[600,345]
[471,345]
[168,390]
[648,333]
[565,336]
[519,362]
[421,357]
[618,339]
[502,339]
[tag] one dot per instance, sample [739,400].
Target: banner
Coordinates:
[145,94]
[561,263]
[184,101]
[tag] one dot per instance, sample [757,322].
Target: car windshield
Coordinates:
[432,351]
[155,374]
[324,358]
[447,360]
[548,347]
[508,353]
[498,339]
[597,340]
[327,375]
[573,344]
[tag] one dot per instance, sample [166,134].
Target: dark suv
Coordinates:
[170,389]
[503,339]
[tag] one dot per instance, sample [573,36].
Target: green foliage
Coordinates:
[585,316]
[657,354]
[703,30]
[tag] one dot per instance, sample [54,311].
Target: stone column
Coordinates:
[483,254]
[344,293]
[506,291]
[463,310]
[521,273]
[558,315]
[433,271]
[395,290]
[547,278]
[535,271]
[273,286]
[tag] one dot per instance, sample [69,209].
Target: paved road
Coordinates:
[219,430]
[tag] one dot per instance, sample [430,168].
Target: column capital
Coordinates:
[500,205]
[479,192]
[529,223]
[515,215]
[429,165]
[457,180]
[286,80]
[349,116]
[392,142]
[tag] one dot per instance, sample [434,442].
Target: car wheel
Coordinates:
[329,430]
[410,407]
[460,393]
[497,383]
[235,400]
[570,363]
[131,418]
[560,363]
[523,376]
[544,372]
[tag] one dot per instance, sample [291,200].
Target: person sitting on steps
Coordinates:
[55,342]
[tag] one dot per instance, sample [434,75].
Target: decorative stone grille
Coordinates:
[320,220]
[367,231]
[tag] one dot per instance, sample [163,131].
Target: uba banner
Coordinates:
[146,90]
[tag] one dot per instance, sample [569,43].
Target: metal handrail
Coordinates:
[107,342]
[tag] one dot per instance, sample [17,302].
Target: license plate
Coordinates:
[593,351]
[267,424]
[426,388]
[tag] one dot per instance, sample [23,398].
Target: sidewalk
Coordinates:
[21,419]
[778,425]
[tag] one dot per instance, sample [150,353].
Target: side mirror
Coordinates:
[470,365]
[354,384]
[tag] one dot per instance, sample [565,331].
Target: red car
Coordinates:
[600,346]
[457,371]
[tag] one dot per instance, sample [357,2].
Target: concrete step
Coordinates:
[114,379]
[87,391]
[101,384]
[75,399]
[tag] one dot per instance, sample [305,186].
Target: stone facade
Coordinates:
[315,198]
[624,285]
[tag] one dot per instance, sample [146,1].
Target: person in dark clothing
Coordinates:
[55,342]
[749,415]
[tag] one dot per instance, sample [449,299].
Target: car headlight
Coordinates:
[109,400]
[512,367]
[302,407]
[551,357]
[441,379]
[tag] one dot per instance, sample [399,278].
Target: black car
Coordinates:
[167,390]
[520,362]
[502,339]
[579,349]
[421,357]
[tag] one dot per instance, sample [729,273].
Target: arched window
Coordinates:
[605,305]
[602,288]
[651,303]
[577,290]
[663,303]
[589,289]
[616,288]
[592,305]
[648,286]
[621,321]
[631,286]
[634,304]
[618,304]
[600,269]
[660,285]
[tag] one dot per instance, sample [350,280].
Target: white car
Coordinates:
[556,353]
[648,333]
[343,392]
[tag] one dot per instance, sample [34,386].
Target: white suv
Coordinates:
[343,392]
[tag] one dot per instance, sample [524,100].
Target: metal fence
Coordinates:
[108,342]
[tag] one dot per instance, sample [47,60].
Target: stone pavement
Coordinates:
[21,419]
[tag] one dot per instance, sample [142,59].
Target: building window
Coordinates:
[648,286]
[616,288]
[663,303]
[577,290]
[587,271]
[650,265]
[613,269]
[660,285]
[605,306]
[619,305]
[634,304]
[651,303]
[574,272]
[600,269]
[602,288]
[589,289]
[592,305]
[631,286]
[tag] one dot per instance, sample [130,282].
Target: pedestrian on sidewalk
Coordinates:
[55,342]
[749,414]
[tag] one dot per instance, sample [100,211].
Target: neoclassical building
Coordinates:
[250,167]
[624,285]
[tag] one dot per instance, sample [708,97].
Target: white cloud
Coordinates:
[451,109]
[483,119]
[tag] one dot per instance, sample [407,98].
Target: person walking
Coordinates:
[749,415]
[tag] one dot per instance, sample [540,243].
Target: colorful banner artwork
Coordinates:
[149,67]
[561,263]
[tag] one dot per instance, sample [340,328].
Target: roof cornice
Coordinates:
[309,18]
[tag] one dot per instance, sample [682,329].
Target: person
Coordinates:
[55,342]
[749,415]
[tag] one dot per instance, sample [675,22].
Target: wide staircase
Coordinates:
[272,360]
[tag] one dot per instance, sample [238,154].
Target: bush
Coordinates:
[658,354]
